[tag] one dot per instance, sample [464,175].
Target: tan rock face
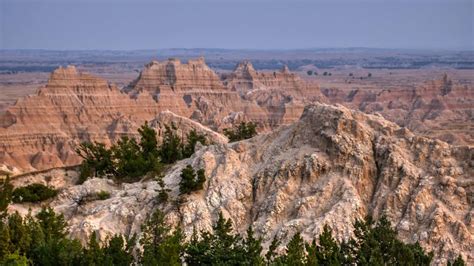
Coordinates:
[332,166]
[41,131]
[439,109]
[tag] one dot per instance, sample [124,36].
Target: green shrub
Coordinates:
[103,195]
[242,131]
[189,181]
[33,193]
[128,160]
[192,139]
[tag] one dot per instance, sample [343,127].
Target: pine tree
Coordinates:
[97,160]
[160,247]
[198,251]
[53,226]
[271,253]
[328,250]
[93,253]
[19,237]
[4,240]
[6,191]
[129,160]
[171,147]
[295,251]
[117,252]
[201,178]
[253,249]
[187,183]
[15,259]
[148,141]
[457,262]
[242,131]
[311,257]
[192,139]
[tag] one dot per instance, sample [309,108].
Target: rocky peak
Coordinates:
[285,70]
[245,69]
[173,75]
[65,72]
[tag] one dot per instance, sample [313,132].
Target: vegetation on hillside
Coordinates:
[33,193]
[190,180]
[42,240]
[130,159]
[243,131]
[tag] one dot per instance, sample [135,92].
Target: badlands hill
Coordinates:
[439,108]
[41,131]
[331,166]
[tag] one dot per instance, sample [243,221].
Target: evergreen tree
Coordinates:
[4,240]
[14,259]
[93,253]
[53,226]
[189,181]
[295,251]
[192,139]
[6,191]
[271,253]
[242,131]
[201,178]
[20,239]
[457,262]
[218,248]
[171,147]
[129,160]
[148,141]
[311,257]
[198,251]
[50,245]
[160,247]
[97,160]
[163,191]
[328,250]
[252,249]
[119,253]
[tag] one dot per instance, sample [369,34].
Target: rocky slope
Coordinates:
[441,108]
[330,167]
[41,131]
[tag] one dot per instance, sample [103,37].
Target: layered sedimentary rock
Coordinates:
[282,93]
[41,131]
[332,166]
[440,108]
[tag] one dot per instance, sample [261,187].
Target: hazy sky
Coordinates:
[260,24]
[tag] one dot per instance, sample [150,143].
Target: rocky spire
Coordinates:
[285,70]
[245,68]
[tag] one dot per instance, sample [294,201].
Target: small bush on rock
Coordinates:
[241,132]
[103,195]
[33,193]
[190,181]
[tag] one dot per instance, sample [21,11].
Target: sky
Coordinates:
[233,24]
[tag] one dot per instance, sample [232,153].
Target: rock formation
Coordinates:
[441,108]
[330,167]
[41,131]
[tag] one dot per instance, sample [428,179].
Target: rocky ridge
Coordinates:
[330,167]
[41,131]
[440,108]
